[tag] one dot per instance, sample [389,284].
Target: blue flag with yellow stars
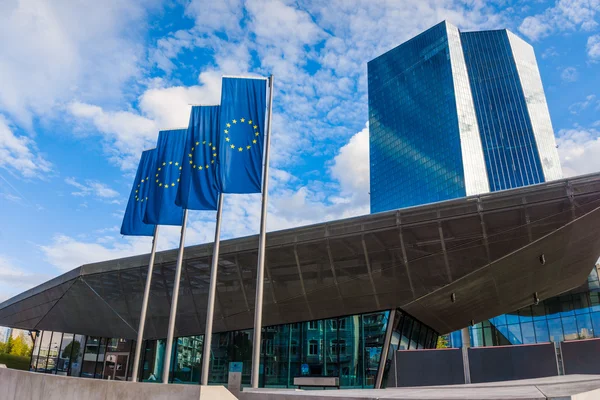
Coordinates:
[164,180]
[133,223]
[198,186]
[241,135]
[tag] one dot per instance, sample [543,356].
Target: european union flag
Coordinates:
[164,180]
[198,186]
[133,223]
[241,136]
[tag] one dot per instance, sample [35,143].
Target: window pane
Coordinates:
[351,372]
[512,319]
[64,355]
[90,356]
[541,331]
[566,306]
[555,327]
[406,328]
[423,336]
[414,337]
[228,347]
[188,360]
[116,359]
[152,361]
[528,333]
[514,332]
[276,355]
[44,349]
[476,337]
[584,325]
[36,351]
[53,352]
[77,355]
[570,328]
[525,315]
[374,328]
[100,362]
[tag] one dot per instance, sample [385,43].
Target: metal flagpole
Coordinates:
[142,324]
[260,273]
[174,299]
[210,309]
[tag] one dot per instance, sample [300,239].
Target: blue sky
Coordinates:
[85,86]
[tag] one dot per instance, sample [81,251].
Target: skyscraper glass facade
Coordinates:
[415,152]
[420,116]
[347,347]
[454,114]
[509,146]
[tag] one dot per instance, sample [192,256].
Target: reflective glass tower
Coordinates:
[455,114]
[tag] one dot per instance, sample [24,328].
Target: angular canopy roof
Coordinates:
[485,249]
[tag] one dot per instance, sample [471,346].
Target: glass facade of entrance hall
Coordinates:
[570,316]
[347,347]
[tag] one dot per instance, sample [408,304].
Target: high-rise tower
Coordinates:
[455,114]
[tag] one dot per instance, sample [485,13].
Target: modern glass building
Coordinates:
[340,297]
[347,347]
[573,315]
[454,114]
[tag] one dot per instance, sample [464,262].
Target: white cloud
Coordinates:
[67,253]
[14,279]
[569,74]
[593,47]
[579,149]
[351,168]
[20,154]
[128,133]
[534,28]
[54,51]
[550,52]
[170,107]
[11,274]
[565,15]
[211,16]
[590,100]
[92,188]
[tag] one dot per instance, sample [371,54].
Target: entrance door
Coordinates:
[115,366]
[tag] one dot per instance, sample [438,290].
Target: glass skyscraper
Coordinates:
[454,114]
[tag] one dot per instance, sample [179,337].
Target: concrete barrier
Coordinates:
[426,368]
[505,363]
[24,385]
[581,356]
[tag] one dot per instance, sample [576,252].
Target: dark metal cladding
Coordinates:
[485,249]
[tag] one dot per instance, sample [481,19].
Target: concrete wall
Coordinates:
[23,385]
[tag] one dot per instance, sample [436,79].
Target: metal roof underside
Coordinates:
[485,249]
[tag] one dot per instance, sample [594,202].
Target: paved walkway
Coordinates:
[570,387]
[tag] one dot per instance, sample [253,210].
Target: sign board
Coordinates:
[234,380]
[304,369]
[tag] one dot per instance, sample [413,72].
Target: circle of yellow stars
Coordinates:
[197,166]
[164,165]
[235,122]
[138,188]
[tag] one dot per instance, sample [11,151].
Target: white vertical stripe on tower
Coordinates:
[476,178]
[531,82]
